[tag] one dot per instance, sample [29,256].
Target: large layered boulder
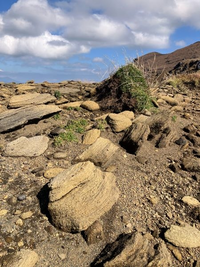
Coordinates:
[81,195]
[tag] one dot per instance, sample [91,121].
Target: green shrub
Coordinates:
[57,94]
[133,82]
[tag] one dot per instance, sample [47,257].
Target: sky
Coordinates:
[87,40]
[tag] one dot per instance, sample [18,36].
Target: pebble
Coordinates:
[20,244]
[3,212]
[21,197]
[191,201]
[62,256]
[19,222]
[154,200]
[26,215]
[51,173]
[176,252]
[60,155]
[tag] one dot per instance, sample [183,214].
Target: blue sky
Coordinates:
[86,40]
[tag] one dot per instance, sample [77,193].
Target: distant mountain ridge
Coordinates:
[166,62]
[8,80]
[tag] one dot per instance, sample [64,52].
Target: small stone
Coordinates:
[62,256]
[60,155]
[3,212]
[20,244]
[94,233]
[8,239]
[19,222]
[17,212]
[51,173]
[154,200]
[21,197]
[191,201]
[91,136]
[26,215]
[176,252]
[111,168]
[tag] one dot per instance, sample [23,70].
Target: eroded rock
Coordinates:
[12,119]
[100,153]
[81,195]
[134,250]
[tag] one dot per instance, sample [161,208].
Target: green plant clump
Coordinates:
[71,129]
[77,126]
[57,94]
[134,83]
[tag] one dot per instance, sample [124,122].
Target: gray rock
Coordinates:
[11,119]
[81,195]
[27,147]
[100,153]
[183,236]
[29,99]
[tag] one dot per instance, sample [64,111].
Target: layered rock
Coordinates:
[12,119]
[81,195]
[100,153]
[29,99]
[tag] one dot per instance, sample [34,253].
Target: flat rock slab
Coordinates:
[81,195]
[100,153]
[12,119]
[29,99]
[183,236]
[27,147]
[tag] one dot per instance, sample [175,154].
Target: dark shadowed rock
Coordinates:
[131,250]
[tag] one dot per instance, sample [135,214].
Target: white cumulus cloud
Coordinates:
[65,28]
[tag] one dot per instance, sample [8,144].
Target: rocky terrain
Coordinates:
[84,186]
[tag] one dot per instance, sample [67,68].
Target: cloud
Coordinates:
[65,28]
[180,43]
[98,59]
